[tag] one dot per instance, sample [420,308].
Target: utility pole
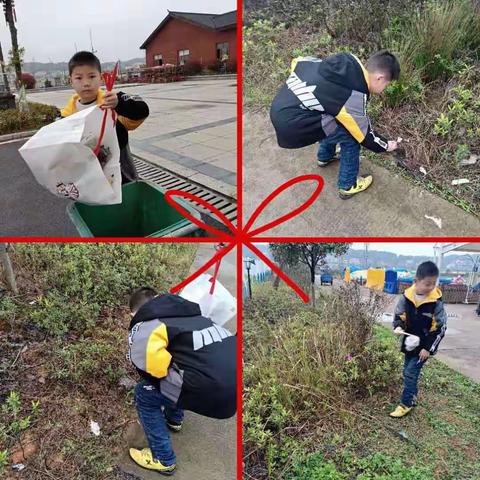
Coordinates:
[248,265]
[7,268]
[91,42]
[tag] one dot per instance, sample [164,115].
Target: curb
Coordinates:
[17,136]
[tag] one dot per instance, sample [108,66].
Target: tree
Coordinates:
[7,268]
[309,253]
[285,255]
[16,55]
[2,70]
[28,80]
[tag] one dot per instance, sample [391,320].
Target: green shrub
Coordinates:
[75,284]
[86,359]
[39,115]
[316,468]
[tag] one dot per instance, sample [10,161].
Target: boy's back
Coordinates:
[200,354]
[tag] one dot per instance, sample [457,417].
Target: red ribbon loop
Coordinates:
[109,78]
[239,237]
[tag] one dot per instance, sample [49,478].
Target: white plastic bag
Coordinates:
[219,307]
[61,158]
[412,342]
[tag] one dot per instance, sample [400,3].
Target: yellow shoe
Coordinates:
[400,411]
[145,460]
[362,184]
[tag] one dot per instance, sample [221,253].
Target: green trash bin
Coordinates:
[144,212]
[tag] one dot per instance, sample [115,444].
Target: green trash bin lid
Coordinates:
[144,212]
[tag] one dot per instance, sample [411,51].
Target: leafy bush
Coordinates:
[39,115]
[28,80]
[192,68]
[86,359]
[75,284]
[309,363]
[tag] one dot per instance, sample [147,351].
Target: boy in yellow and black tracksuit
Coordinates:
[421,321]
[186,362]
[325,101]
[85,77]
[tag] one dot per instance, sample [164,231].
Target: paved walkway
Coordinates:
[205,448]
[460,349]
[391,207]
[191,129]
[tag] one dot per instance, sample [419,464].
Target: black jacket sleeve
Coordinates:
[432,340]
[131,107]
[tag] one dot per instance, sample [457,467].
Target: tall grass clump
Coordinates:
[310,365]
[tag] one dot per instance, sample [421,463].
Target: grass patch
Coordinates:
[63,342]
[318,387]
[39,115]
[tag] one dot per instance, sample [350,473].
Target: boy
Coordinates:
[420,313]
[186,362]
[85,76]
[326,100]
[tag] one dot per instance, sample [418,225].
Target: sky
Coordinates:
[399,248]
[49,29]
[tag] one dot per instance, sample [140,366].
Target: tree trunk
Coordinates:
[276,282]
[13,34]
[2,68]
[312,282]
[7,268]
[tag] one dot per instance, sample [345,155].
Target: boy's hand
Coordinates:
[110,100]
[393,144]
[399,331]
[424,354]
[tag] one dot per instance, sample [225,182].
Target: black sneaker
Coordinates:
[324,163]
[174,426]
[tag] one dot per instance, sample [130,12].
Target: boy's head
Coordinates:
[382,67]
[85,71]
[140,297]
[426,278]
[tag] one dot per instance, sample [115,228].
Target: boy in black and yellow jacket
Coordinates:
[421,321]
[326,101]
[85,76]
[186,362]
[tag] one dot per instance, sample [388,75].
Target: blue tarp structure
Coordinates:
[391,282]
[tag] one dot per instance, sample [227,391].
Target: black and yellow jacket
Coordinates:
[190,359]
[318,95]
[132,112]
[426,319]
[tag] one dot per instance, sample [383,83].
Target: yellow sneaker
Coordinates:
[400,411]
[145,459]
[362,184]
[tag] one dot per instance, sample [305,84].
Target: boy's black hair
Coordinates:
[84,58]
[427,269]
[141,296]
[385,62]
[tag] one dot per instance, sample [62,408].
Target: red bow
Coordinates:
[239,237]
[109,79]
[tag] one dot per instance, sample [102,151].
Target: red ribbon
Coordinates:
[219,247]
[109,79]
[244,236]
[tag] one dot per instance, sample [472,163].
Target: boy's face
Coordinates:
[425,285]
[378,82]
[86,81]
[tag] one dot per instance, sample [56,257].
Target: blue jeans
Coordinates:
[149,402]
[349,155]
[411,373]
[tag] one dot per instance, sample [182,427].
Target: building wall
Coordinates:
[179,35]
